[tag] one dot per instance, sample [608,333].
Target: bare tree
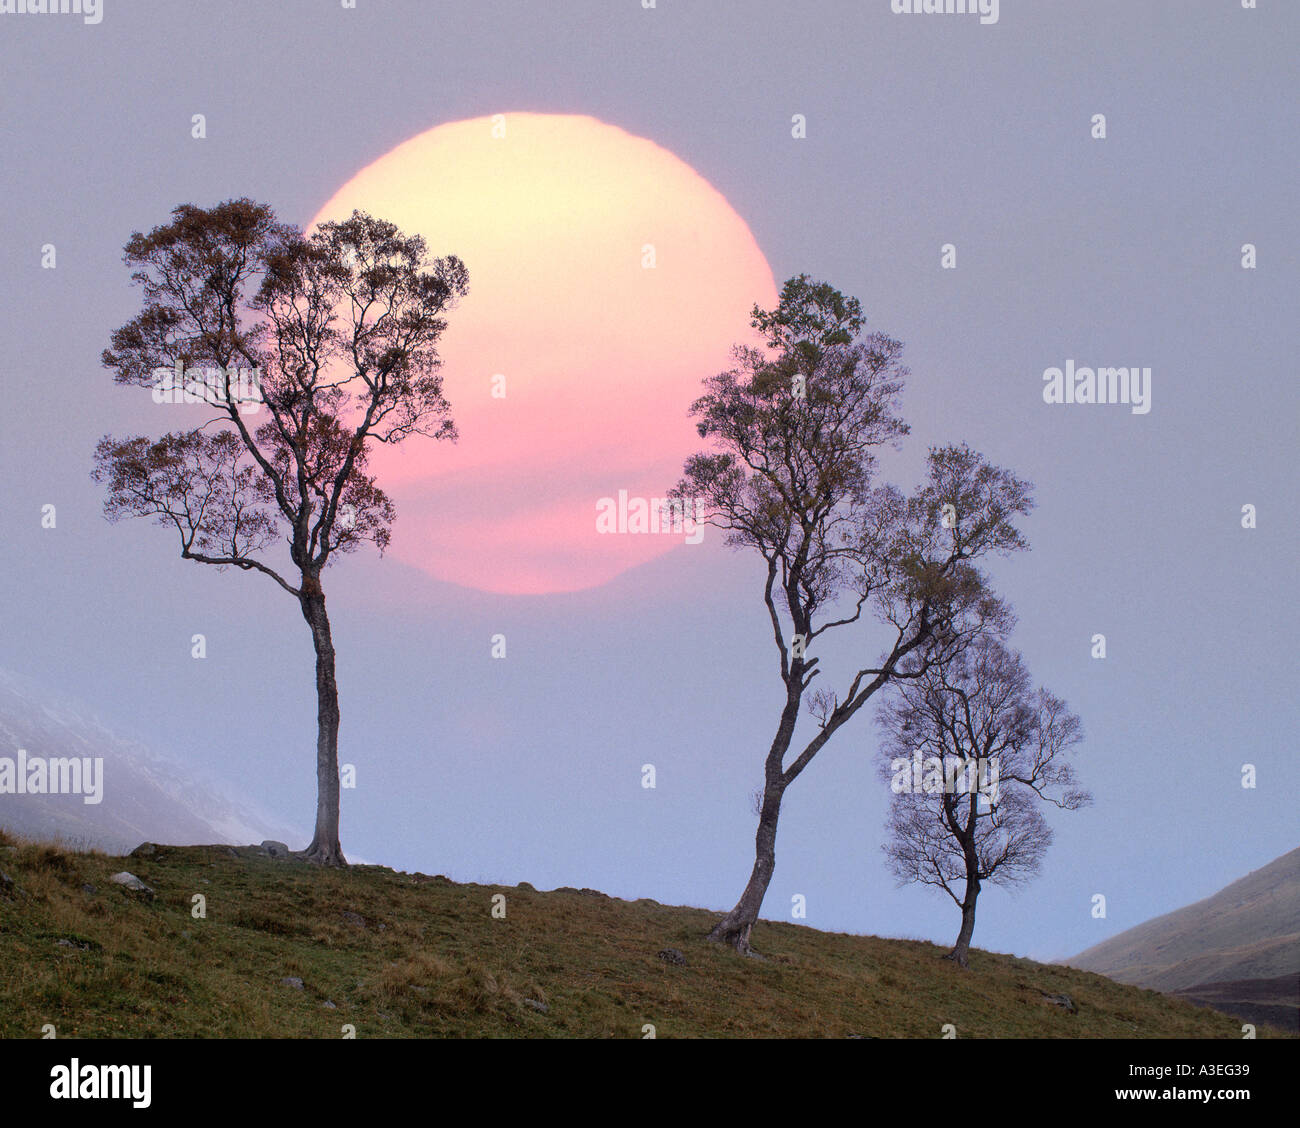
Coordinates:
[339,330]
[971,750]
[790,476]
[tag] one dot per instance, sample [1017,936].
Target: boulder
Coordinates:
[275,849]
[133,884]
[292,981]
[672,956]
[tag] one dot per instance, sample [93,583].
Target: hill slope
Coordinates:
[1238,949]
[408,955]
[145,796]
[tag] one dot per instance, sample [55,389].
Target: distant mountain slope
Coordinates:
[1242,943]
[1256,1000]
[146,797]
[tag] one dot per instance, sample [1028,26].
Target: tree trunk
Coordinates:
[735,927]
[961,950]
[324,847]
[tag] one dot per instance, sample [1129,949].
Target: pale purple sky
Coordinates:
[922,130]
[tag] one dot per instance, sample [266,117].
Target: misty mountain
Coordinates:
[1238,950]
[145,796]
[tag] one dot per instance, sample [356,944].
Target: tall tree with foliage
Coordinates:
[790,475]
[972,751]
[339,329]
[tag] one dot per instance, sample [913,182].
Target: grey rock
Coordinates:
[355,919]
[89,889]
[1063,1001]
[275,849]
[144,850]
[292,981]
[537,1005]
[672,956]
[133,884]
[328,1005]
[7,886]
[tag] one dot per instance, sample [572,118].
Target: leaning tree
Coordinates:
[971,752]
[790,474]
[307,349]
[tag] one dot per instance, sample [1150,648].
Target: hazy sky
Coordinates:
[921,131]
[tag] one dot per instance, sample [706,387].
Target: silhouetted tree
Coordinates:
[338,329]
[970,751]
[790,476]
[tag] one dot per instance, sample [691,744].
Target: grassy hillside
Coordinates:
[408,955]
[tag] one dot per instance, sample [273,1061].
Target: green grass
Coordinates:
[431,961]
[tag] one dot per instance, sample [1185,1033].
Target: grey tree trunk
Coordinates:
[961,950]
[324,848]
[736,926]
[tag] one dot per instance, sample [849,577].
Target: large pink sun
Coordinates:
[607,278]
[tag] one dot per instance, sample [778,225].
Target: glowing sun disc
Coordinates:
[607,278]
